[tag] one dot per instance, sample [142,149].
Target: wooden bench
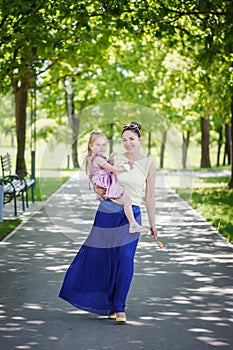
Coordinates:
[15,185]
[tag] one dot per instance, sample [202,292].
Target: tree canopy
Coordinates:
[174,56]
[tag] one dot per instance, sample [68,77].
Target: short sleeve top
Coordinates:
[134,181]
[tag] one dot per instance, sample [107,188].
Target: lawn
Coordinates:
[214,201]
[45,187]
[7,226]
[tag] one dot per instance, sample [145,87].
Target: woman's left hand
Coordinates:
[153,232]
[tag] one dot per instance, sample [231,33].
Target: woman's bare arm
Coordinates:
[150,199]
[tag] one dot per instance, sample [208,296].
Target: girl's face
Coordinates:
[131,141]
[99,145]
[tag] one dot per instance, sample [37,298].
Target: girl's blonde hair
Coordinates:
[92,138]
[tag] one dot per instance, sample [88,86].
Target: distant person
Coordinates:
[99,278]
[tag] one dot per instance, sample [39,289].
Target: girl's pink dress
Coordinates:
[100,177]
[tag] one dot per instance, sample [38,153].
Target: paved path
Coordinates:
[181,297]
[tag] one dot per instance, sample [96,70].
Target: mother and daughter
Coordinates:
[99,278]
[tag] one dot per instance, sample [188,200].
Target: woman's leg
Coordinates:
[124,275]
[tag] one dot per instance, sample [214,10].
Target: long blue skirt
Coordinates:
[100,275]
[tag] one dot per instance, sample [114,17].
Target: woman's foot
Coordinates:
[121,317]
[135,227]
[112,316]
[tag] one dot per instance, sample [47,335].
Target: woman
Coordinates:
[99,277]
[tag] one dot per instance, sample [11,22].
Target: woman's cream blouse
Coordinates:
[134,181]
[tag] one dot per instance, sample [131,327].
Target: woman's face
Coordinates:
[131,141]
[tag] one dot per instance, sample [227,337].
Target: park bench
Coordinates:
[14,185]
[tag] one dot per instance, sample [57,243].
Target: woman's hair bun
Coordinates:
[136,124]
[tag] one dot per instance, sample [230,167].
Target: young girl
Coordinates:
[102,174]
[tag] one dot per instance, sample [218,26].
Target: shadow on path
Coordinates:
[181,296]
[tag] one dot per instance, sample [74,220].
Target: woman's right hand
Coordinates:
[153,232]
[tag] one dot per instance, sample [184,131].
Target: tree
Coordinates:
[26,52]
[66,28]
[207,24]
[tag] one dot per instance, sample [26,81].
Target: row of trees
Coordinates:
[174,57]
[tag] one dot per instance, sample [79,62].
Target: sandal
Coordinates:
[120,319]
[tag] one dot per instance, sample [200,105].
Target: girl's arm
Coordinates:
[111,158]
[99,161]
[150,199]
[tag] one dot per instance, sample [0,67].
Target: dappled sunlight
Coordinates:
[189,281]
[186,285]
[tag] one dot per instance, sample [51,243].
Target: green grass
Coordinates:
[216,180]
[45,187]
[214,201]
[7,226]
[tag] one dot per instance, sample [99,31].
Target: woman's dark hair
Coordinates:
[134,127]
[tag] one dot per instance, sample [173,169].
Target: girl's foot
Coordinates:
[120,317]
[135,227]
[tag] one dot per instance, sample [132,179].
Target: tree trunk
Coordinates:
[185,148]
[219,145]
[231,180]
[111,138]
[20,88]
[73,128]
[75,132]
[162,149]
[227,149]
[149,144]
[205,152]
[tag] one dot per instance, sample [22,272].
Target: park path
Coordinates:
[181,296]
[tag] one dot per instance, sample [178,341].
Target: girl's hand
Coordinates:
[153,232]
[131,164]
[126,167]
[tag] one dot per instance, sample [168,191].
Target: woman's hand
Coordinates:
[153,232]
[101,191]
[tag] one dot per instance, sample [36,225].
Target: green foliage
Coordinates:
[172,56]
[7,120]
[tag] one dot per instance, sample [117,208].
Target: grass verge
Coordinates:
[213,200]
[7,226]
[45,187]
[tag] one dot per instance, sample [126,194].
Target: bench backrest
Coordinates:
[6,164]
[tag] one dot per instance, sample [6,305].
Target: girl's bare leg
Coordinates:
[133,225]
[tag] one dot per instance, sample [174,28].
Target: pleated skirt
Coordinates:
[99,278]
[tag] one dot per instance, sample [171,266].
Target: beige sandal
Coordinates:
[121,319]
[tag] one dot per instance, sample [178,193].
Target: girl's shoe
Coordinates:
[135,227]
[112,316]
